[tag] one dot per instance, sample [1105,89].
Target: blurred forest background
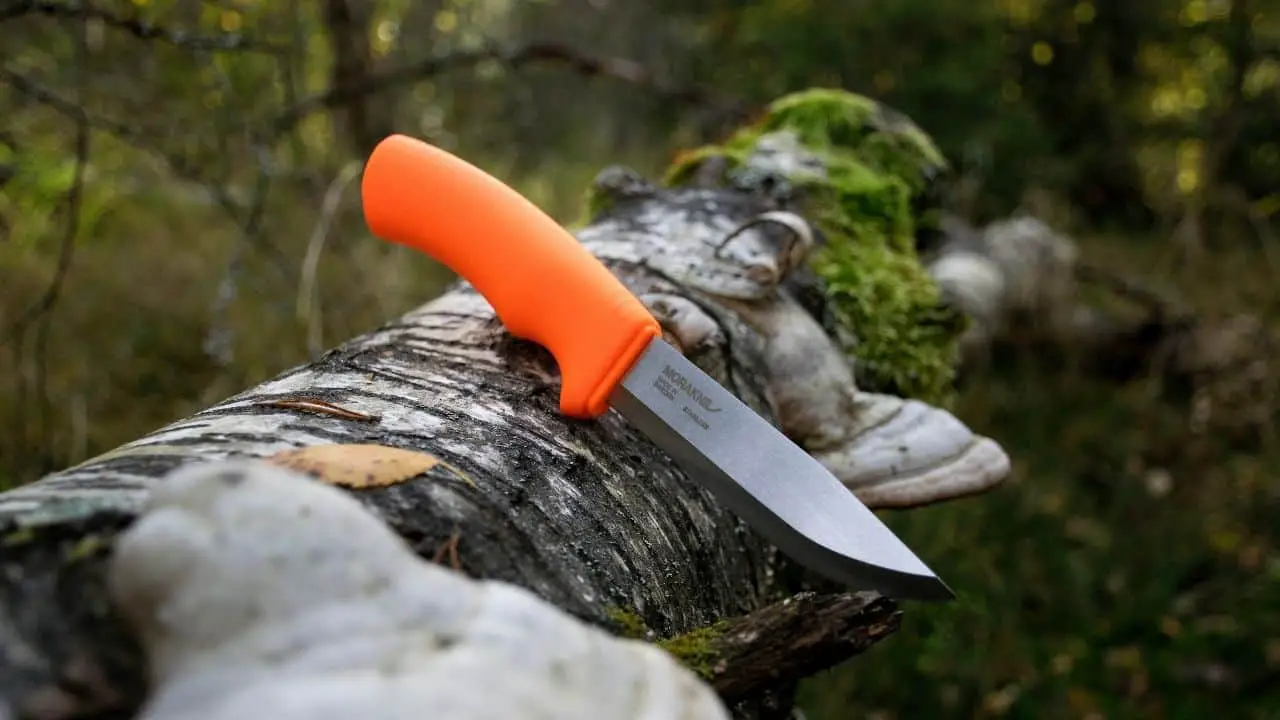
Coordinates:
[179,219]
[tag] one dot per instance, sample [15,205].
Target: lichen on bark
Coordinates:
[871,189]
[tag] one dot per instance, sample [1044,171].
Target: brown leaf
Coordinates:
[360,466]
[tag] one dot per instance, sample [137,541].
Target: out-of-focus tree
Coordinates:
[1096,102]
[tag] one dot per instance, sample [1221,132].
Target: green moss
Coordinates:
[687,161]
[696,649]
[833,120]
[596,203]
[88,546]
[629,623]
[880,172]
[21,536]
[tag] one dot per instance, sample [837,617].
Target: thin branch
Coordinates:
[67,246]
[140,29]
[44,96]
[41,311]
[533,53]
[219,338]
[136,137]
[131,134]
[1155,302]
[308,303]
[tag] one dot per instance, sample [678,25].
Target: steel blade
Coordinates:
[770,482]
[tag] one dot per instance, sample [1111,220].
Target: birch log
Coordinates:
[589,517]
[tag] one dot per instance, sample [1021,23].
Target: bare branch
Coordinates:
[1156,303]
[179,165]
[74,196]
[40,312]
[533,53]
[219,338]
[140,29]
[308,303]
[124,131]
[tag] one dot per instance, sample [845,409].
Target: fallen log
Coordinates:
[781,263]
[1022,283]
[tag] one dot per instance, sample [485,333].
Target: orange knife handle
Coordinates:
[543,284]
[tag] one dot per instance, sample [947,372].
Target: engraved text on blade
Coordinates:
[671,382]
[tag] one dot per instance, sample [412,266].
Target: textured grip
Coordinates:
[542,283]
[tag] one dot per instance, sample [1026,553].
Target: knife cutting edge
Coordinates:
[546,287]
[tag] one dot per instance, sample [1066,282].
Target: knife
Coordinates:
[547,288]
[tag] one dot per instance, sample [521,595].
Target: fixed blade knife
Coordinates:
[546,287]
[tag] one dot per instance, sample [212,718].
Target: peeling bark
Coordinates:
[590,516]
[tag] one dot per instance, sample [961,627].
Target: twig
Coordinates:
[140,29]
[67,247]
[308,304]
[134,136]
[218,340]
[449,549]
[316,406]
[40,94]
[40,312]
[78,445]
[1265,235]
[532,53]
[1158,304]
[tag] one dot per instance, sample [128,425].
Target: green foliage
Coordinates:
[1104,102]
[1127,570]
[877,165]
[34,201]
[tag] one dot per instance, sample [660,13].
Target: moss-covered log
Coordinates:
[590,516]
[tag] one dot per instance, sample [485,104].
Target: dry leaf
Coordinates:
[360,466]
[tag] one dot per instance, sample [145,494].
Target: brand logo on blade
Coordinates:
[674,377]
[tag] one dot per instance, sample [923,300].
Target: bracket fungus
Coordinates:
[258,592]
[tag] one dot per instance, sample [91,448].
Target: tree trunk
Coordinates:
[590,516]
